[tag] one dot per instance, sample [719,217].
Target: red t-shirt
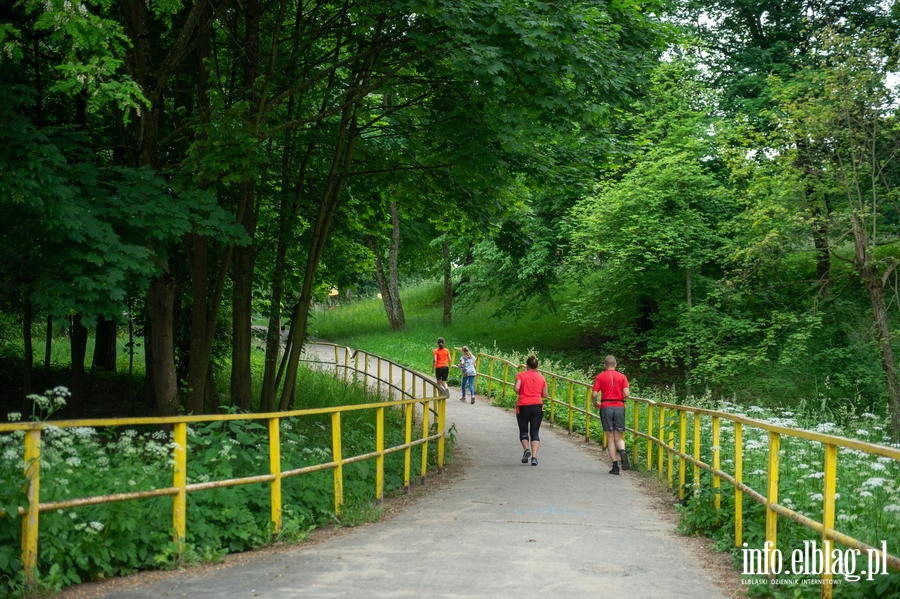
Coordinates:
[441,357]
[610,384]
[530,388]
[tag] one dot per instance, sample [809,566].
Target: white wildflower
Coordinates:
[877,466]
[865,494]
[826,427]
[869,415]
[874,482]
[816,475]
[98,526]
[893,507]
[73,461]
[14,416]
[131,483]
[862,432]
[816,497]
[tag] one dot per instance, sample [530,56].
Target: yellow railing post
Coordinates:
[571,404]
[682,447]
[414,377]
[662,437]
[403,382]
[275,470]
[670,451]
[346,362]
[490,375]
[772,497]
[587,414]
[716,463]
[378,379]
[553,399]
[30,521]
[337,362]
[407,454]
[696,453]
[356,367]
[828,497]
[379,447]
[649,436]
[179,502]
[441,405]
[391,379]
[634,438]
[338,459]
[424,469]
[739,477]
[505,375]
[477,364]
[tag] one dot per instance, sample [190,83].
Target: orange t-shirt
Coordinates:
[530,389]
[441,357]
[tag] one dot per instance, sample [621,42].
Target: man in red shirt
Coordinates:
[613,389]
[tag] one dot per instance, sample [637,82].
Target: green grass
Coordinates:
[364,325]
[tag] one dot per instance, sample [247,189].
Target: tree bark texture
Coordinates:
[78,340]
[340,166]
[448,285]
[875,286]
[105,346]
[161,306]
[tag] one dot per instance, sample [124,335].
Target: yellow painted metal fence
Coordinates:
[413,388]
[656,423]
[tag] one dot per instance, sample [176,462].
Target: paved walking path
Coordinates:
[565,528]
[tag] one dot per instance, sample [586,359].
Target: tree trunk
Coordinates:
[212,393]
[823,250]
[343,156]
[688,295]
[242,310]
[161,306]
[105,346]
[397,318]
[448,285]
[78,339]
[875,286]
[198,360]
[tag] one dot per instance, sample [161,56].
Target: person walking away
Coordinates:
[441,365]
[531,388]
[467,365]
[613,389]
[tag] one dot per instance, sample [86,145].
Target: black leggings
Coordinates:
[529,418]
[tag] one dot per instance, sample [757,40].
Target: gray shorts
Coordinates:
[613,419]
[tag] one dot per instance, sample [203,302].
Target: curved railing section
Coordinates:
[403,389]
[658,424]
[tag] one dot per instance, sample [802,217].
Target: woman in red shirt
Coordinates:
[532,389]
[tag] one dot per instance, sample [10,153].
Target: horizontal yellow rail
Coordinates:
[416,388]
[769,499]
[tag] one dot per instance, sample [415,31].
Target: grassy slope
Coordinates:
[364,325]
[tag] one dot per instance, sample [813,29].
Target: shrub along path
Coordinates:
[564,528]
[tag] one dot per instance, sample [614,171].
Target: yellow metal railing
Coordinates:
[665,446]
[428,396]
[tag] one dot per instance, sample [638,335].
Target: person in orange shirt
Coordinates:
[441,365]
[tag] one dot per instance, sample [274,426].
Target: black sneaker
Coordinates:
[534,461]
[525,456]
[623,457]
[615,470]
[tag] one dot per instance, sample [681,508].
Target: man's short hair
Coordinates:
[609,361]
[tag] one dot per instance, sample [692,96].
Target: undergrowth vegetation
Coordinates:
[113,539]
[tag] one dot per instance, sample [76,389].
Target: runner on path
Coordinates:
[532,390]
[613,388]
[441,365]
